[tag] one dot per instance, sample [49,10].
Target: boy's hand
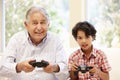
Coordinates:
[94,70]
[74,67]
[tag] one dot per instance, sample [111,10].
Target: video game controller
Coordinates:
[39,64]
[83,69]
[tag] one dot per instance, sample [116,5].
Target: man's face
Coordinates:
[37,26]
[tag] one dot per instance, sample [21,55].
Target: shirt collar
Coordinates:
[29,40]
[93,53]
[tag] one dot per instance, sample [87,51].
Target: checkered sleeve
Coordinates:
[70,61]
[105,64]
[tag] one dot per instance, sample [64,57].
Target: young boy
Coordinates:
[91,61]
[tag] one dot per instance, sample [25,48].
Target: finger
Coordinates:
[74,68]
[74,65]
[33,60]
[28,69]
[29,63]
[92,70]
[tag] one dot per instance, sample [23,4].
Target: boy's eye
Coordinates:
[79,37]
[88,37]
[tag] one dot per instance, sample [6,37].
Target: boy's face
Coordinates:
[84,41]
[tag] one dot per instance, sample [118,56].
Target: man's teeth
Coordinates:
[38,32]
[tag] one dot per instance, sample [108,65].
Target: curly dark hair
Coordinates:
[85,27]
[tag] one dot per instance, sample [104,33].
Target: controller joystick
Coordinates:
[39,64]
[83,69]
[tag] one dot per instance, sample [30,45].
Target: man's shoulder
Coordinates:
[52,35]
[20,34]
[53,38]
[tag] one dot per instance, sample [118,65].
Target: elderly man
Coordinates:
[35,44]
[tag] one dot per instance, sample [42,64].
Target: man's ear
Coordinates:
[25,24]
[48,24]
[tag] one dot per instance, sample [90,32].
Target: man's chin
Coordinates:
[39,39]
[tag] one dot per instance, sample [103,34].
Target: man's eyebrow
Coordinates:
[40,20]
[43,20]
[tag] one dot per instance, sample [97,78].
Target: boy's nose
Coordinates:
[84,40]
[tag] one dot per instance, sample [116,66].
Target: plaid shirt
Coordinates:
[97,58]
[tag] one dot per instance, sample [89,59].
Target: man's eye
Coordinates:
[42,22]
[34,23]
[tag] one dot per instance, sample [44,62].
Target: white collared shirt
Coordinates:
[20,48]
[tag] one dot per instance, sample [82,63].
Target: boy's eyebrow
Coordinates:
[78,36]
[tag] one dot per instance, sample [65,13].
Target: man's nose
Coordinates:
[39,26]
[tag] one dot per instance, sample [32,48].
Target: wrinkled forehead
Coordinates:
[35,10]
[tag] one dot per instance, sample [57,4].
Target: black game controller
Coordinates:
[39,64]
[83,69]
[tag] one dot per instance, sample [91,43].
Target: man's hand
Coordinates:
[51,68]
[24,66]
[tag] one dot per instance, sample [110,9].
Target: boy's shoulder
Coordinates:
[75,52]
[98,52]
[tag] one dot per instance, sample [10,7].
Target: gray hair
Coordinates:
[36,8]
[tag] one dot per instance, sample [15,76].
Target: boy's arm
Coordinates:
[73,76]
[103,75]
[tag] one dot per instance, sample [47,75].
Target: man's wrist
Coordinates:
[18,68]
[56,68]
